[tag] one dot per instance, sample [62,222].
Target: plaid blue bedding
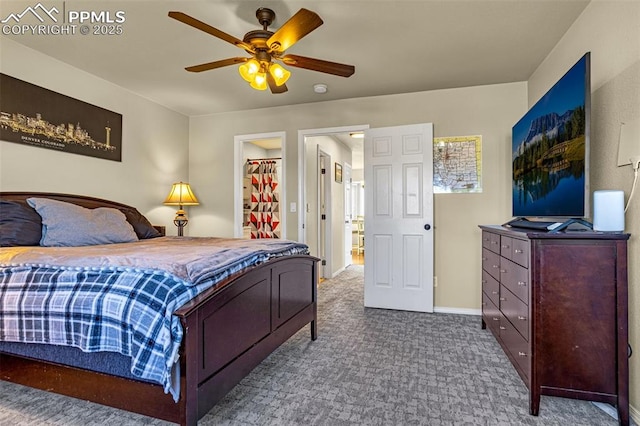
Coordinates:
[115,308]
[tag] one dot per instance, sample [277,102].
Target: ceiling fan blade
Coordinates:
[334,68]
[216,64]
[195,23]
[298,26]
[274,87]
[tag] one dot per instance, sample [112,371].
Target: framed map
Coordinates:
[457,164]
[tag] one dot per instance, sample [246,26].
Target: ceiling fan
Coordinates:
[266,47]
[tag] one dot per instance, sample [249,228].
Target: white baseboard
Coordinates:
[607,408]
[634,413]
[336,273]
[459,311]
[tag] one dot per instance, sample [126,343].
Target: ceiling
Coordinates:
[395,46]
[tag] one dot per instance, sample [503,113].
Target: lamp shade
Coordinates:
[249,69]
[260,82]
[279,74]
[181,195]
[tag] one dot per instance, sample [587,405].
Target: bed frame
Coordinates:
[227,333]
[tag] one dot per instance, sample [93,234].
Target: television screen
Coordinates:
[550,150]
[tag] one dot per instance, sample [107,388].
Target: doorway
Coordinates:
[399,202]
[256,154]
[357,219]
[337,144]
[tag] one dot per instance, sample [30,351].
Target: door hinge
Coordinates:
[324,263]
[323,217]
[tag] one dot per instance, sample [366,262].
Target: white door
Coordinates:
[398,232]
[346,183]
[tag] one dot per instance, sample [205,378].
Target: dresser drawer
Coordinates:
[515,278]
[518,348]
[491,315]
[491,263]
[520,252]
[486,240]
[491,287]
[515,310]
[506,246]
[491,241]
[494,243]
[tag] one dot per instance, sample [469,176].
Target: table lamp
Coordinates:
[181,195]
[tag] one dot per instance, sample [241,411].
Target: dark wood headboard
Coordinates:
[80,200]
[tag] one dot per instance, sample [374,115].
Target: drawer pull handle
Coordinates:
[522,283]
[495,319]
[484,259]
[503,271]
[518,251]
[521,318]
[502,299]
[484,281]
[504,246]
[494,292]
[502,328]
[494,266]
[521,354]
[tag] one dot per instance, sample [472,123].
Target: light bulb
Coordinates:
[279,74]
[249,69]
[260,81]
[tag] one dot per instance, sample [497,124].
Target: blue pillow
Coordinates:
[70,225]
[20,225]
[141,225]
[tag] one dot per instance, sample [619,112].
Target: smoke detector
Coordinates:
[320,88]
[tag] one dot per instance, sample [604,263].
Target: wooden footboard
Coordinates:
[227,333]
[233,330]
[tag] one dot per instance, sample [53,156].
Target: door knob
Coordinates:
[427,227]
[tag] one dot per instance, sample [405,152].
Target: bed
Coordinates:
[225,321]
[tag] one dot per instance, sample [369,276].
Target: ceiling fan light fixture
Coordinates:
[279,74]
[266,46]
[249,70]
[260,81]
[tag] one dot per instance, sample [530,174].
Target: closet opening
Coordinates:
[260,183]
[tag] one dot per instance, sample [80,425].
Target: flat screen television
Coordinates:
[550,150]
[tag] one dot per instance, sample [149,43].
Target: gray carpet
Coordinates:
[368,367]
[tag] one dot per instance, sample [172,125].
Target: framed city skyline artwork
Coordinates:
[35,116]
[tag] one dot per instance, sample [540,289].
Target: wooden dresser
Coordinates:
[557,304]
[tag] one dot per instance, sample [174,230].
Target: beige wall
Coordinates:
[489,111]
[154,142]
[610,30]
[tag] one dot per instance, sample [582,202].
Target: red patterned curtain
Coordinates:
[264,217]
